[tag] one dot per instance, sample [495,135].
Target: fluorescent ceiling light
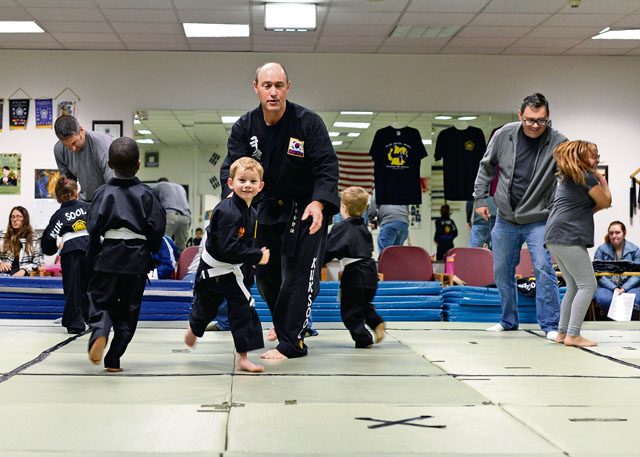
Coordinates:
[442,117]
[229,119]
[294,17]
[334,133]
[20,27]
[353,134]
[427,142]
[467,118]
[608,34]
[193,30]
[144,132]
[136,121]
[352,125]
[145,141]
[336,143]
[357,113]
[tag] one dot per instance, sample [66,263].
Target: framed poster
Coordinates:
[111,128]
[10,179]
[45,182]
[151,159]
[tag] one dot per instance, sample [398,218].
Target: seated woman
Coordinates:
[20,251]
[617,248]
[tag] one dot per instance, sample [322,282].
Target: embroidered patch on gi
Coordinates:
[296,147]
[241,232]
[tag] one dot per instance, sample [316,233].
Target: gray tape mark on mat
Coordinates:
[43,355]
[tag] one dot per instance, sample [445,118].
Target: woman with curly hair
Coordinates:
[20,251]
[581,191]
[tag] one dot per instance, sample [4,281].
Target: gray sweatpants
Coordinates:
[576,268]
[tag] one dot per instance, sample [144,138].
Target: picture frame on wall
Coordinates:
[111,128]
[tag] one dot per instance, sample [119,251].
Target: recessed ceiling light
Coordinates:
[336,143]
[357,113]
[293,17]
[467,118]
[427,142]
[229,119]
[442,117]
[352,125]
[145,141]
[608,34]
[195,30]
[20,27]
[353,134]
[144,132]
[334,133]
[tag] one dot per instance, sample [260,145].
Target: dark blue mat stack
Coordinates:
[394,301]
[482,304]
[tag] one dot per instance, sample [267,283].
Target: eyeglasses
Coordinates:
[17,216]
[532,122]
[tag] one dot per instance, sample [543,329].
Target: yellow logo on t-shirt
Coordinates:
[469,145]
[397,155]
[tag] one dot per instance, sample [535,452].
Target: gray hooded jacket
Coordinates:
[538,198]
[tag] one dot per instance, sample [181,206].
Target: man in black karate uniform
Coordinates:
[299,197]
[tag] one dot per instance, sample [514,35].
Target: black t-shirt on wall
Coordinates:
[462,151]
[396,155]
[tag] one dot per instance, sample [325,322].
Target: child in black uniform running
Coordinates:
[70,224]
[229,244]
[350,241]
[131,221]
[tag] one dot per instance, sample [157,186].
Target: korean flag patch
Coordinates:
[296,147]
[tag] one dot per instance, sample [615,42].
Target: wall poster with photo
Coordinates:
[11,179]
[45,182]
[111,128]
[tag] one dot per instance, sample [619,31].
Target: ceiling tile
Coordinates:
[31,45]
[350,41]
[348,18]
[220,47]
[287,39]
[486,42]
[492,32]
[512,20]
[261,47]
[209,4]
[134,15]
[435,19]
[14,14]
[387,6]
[66,14]
[581,20]
[562,43]
[608,44]
[75,27]
[96,46]
[137,4]
[563,32]
[148,27]
[26,37]
[447,6]
[416,42]
[56,3]
[534,51]
[632,21]
[86,37]
[525,6]
[385,49]
[157,46]
[634,52]
[152,38]
[472,50]
[347,49]
[219,41]
[357,30]
[215,16]
[603,7]
[8,3]
[596,52]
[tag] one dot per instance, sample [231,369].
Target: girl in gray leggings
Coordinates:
[581,191]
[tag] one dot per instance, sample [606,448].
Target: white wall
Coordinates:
[594,98]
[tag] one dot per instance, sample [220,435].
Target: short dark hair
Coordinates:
[535,100]
[163,179]
[124,156]
[66,126]
[6,168]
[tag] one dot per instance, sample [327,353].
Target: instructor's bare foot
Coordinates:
[273,354]
[244,364]
[97,350]
[560,338]
[271,334]
[579,341]
[190,338]
[379,332]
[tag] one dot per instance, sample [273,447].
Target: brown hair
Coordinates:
[11,242]
[622,226]
[572,158]
[355,199]
[66,189]
[246,163]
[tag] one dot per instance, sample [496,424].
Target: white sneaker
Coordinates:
[496,328]
[58,321]
[552,335]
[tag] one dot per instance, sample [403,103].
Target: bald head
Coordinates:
[271,66]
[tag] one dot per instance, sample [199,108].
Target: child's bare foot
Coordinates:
[271,334]
[273,354]
[244,364]
[97,350]
[579,341]
[379,332]
[560,338]
[190,338]
[114,370]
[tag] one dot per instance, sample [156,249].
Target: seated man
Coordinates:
[616,247]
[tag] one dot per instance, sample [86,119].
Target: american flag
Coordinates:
[356,169]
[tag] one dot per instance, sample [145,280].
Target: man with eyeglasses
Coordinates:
[526,185]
